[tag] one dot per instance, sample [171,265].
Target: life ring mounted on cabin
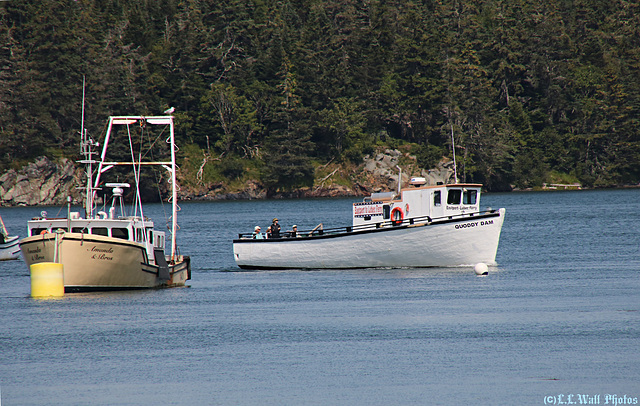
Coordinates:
[397,216]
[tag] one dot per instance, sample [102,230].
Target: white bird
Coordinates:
[170,110]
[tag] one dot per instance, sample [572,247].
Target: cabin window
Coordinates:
[386,212]
[436,198]
[138,234]
[470,197]
[117,232]
[454,196]
[100,231]
[36,231]
[150,235]
[82,230]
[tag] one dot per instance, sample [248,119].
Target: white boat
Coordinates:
[420,226]
[109,249]
[9,248]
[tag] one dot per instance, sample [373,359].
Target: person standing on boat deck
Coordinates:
[275,229]
[257,235]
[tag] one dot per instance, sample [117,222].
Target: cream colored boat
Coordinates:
[109,249]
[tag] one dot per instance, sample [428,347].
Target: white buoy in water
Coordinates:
[481,269]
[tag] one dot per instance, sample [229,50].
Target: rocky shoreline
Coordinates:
[46,182]
[41,183]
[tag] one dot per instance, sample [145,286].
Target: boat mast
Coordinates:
[85,149]
[101,164]
[174,194]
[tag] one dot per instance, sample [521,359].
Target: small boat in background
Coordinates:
[111,249]
[419,226]
[9,244]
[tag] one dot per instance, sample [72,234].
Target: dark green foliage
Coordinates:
[232,168]
[287,163]
[429,155]
[530,89]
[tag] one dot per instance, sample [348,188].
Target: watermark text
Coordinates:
[590,399]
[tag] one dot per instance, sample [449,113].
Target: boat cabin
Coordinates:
[417,202]
[128,228]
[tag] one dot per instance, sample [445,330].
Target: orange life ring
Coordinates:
[397,216]
[43,232]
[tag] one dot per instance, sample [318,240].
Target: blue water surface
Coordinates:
[559,317]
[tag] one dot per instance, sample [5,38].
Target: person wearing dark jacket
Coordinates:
[275,229]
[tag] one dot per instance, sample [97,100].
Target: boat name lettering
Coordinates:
[37,257]
[102,257]
[33,251]
[101,253]
[106,250]
[474,224]
[370,209]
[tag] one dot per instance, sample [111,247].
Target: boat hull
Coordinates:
[93,262]
[10,249]
[446,243]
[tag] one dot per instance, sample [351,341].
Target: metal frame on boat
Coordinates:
[112,250]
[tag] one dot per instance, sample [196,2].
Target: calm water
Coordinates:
[559,317]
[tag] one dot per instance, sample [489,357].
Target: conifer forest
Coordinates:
[532,91]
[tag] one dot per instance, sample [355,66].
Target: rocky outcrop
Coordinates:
[217,191]
[40,183]
[45,182]
[384,169]
[377,173]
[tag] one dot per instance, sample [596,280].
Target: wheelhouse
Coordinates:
[130,229]
[417,202]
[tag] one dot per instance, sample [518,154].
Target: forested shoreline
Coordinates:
[532,91]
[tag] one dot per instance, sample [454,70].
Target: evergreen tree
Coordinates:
[528,88]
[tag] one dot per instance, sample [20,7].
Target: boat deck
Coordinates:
[386,225]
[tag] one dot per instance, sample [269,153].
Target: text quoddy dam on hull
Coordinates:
[421,226]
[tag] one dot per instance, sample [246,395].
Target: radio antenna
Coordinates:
[453,150]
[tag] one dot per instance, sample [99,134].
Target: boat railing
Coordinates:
[412,221]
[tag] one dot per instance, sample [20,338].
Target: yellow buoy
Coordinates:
[47,279]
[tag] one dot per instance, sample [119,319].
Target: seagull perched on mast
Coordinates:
[170,110]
